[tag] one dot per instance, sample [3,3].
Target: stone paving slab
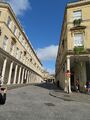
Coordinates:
[14,86]
[77,97]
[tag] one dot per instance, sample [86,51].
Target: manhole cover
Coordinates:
[49,104]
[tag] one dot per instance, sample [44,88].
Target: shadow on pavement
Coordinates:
[49,86]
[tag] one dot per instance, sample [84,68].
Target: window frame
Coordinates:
[78,42]
[9,21]
[77,17]
[15,30]
[5,42]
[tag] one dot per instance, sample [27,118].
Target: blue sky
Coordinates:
[42,21]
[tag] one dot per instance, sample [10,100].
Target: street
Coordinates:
[34,103]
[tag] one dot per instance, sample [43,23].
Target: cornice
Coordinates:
[77,4]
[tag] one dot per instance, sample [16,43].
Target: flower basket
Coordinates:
[79,49]
[77,22]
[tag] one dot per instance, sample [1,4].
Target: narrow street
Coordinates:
[34,103]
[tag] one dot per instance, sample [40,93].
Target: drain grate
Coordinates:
[49,104]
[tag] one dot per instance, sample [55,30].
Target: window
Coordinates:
[12,48]
[17,52]
[25,45]
[21,55]
[20,37]
[22,41]
[78,39]
[5,42]
[15,30]
[9,22]
[77,14]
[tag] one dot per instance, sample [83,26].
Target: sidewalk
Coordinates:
[77,97]
[14,86]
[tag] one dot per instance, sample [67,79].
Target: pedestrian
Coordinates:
[67,76]
[88,87]
[2,95]
[77,85]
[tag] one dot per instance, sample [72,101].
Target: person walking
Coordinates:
[67,76]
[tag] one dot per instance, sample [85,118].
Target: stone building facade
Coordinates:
[74,47]
[19,63]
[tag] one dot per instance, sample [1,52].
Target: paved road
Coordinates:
[34,103]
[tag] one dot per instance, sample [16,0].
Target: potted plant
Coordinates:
[77,22]
[78,49]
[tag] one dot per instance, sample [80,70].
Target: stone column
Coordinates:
[68,68]
[30,77]
[15,75]
[10,73]
[25,73]
[3,70]
[22,76]
[19,75]
[27,77]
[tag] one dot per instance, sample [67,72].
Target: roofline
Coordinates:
[77,3]
[19,25]
[65,10]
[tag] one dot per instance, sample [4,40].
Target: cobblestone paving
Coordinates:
[34,103]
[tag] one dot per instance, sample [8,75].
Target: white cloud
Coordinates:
[19,6]
[51,71]
[47,53]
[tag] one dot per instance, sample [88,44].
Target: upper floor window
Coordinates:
[15,30]
[17,52]
[22,41]
[5,41]
[20,37]
[21,55]
[12,47]
[78,39]
[9,22]
[77,14]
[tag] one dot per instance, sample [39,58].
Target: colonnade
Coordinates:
[12,72]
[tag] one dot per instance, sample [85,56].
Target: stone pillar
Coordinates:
[25,73]
[68,68]
[30,77]
[10,73]
[27,77]
[19,75]
[22,76]
[3,70]
[15,75]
